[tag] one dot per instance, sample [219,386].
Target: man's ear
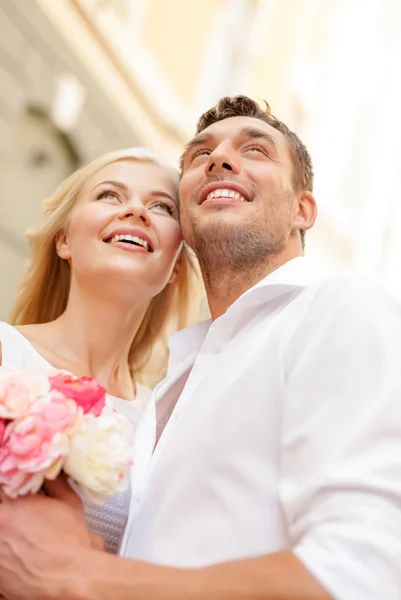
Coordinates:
[305,211]
[177,268]
[63,245]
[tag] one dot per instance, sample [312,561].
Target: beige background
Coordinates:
[80,77]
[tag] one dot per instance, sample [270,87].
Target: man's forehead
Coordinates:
[233,126]
[236,128]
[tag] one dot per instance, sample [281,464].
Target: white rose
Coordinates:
[100,455]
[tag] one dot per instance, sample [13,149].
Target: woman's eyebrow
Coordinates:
[160,193]
[118,184]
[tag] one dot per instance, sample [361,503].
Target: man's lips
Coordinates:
[238,192]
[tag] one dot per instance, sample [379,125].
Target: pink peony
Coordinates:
[2,428]
[86,392]
[15,483]
[19,390]
[100,455]
[37,444]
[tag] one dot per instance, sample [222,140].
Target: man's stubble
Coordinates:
[241,251]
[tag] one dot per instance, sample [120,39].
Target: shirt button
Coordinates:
[216,348]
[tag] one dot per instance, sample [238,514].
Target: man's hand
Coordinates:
[60,489]
[41,539]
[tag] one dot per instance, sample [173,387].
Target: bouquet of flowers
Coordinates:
[50,424]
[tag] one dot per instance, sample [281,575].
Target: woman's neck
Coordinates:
[93,337]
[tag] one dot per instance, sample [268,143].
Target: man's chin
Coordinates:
[221,228]
[220,219]
[214,236]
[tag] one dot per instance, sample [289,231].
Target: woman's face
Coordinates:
[124,228]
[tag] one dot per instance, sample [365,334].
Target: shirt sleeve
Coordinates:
[341,442]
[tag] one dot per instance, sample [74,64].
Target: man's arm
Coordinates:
[280,576]
[340,482]
[46,554]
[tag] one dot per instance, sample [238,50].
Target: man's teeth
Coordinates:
[225,193]
[129,238]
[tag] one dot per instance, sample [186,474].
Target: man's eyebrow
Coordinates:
[202,138]
[254,132]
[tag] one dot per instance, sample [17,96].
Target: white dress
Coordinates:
[110,519]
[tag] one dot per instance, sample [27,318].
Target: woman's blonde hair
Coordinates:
[43,290]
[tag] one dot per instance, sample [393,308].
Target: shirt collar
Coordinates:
[296,273]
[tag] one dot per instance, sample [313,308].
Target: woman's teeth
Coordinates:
[131,239]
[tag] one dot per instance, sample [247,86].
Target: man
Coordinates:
[278,473]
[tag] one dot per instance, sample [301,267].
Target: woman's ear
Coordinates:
[63,245]
[176,268]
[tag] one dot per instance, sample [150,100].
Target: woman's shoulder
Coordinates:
[19,332]
[31,332]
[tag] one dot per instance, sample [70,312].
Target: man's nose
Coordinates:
[220,160]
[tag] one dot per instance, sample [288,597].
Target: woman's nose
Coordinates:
[135,211]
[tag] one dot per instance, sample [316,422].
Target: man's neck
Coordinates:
[224,287]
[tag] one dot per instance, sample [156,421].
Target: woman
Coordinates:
[108,279]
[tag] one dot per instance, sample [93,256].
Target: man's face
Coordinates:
[237,187]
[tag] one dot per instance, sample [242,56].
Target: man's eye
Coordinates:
[201,152]
[255,148]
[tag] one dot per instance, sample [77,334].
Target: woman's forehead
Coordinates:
[135,174]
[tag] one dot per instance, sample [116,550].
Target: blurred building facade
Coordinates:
[56,113]
[80,77]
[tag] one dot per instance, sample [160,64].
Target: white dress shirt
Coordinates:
[287,435]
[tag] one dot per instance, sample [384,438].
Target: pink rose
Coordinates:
[2,428]
[19,390]
[37,444]
[85,391]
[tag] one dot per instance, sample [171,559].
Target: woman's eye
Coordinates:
[107,195]
[164,206]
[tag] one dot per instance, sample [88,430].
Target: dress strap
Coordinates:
[10,346]
[17,351]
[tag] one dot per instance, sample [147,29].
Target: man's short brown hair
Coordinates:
[242,106]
